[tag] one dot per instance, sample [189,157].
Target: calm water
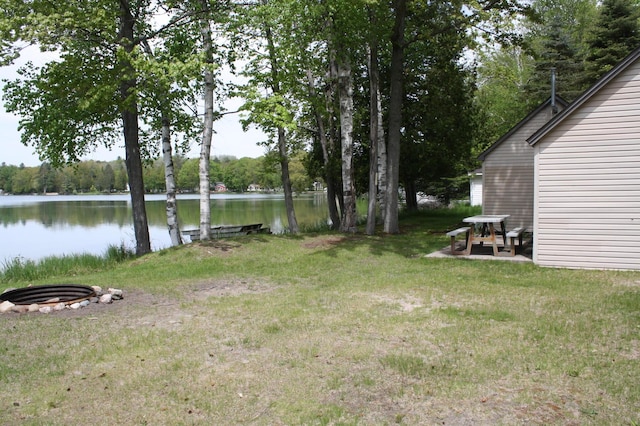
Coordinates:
[33,227]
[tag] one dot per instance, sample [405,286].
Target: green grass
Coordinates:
[20,270]
[328,329]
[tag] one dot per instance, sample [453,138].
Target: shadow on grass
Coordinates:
[421,232]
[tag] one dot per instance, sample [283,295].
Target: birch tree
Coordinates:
[207,128]
[97,91]
[169,108]
[66,104]
[267,71]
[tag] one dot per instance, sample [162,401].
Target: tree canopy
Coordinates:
[371,95]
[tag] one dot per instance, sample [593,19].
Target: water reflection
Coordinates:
[34,227]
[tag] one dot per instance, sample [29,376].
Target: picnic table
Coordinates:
[481,229]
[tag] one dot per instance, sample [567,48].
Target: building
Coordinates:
[508,168]
[475,188]
[587,177]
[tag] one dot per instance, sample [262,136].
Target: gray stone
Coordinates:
[45,310]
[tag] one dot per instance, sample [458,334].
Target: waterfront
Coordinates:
[36,226]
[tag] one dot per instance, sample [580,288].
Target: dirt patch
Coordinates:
[324,241]
[631,284]
[221,288]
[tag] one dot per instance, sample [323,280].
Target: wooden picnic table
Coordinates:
[483,230]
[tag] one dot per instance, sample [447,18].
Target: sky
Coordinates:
[228,139]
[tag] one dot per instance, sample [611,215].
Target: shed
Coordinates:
[508,169]
[475,188]
[587,177]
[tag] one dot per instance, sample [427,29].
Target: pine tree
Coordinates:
[558,51]
[615,35]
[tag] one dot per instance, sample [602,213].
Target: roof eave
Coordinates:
[521,123]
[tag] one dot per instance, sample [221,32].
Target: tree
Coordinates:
[188,179]
[556,39]
[437,118]
[377,147]
[69,104]
[558,53]
[267,71]
[500,100]
[615,34]
[7,172]
[106,182]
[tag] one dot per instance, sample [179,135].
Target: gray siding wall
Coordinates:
[508,175]
[588,182]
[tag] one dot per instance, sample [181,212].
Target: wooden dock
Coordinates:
[226,231]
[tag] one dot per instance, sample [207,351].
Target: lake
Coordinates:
[36,226]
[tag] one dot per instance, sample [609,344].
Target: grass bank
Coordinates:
[330,329]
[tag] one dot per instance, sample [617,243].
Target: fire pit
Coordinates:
[45,295]
[49,298]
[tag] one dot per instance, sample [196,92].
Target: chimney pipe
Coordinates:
[554,107]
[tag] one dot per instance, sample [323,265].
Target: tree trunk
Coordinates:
[286,182]
[334,215]
[411,195]
[167,157]
[345,93]
[382,164]
[207,132]
[170,182]
[282,140]
[129,115]
[395,117]
[374,100]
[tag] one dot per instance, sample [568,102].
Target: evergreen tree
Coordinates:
[615,35]
[556,49]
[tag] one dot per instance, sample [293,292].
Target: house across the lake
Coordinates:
[254,187]
[220,187]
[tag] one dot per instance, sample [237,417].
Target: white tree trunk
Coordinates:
[345,93]
[334,215]
[207,132]
[170,182]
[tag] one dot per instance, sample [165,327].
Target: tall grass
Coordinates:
[19,269]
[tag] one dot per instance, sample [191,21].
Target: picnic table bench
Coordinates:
[486,229]
[512,235]
[453,234]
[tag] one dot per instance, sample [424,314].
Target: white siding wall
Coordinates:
[475,196]
[508,175]
[588,182]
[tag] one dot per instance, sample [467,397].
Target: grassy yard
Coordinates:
[327,329]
